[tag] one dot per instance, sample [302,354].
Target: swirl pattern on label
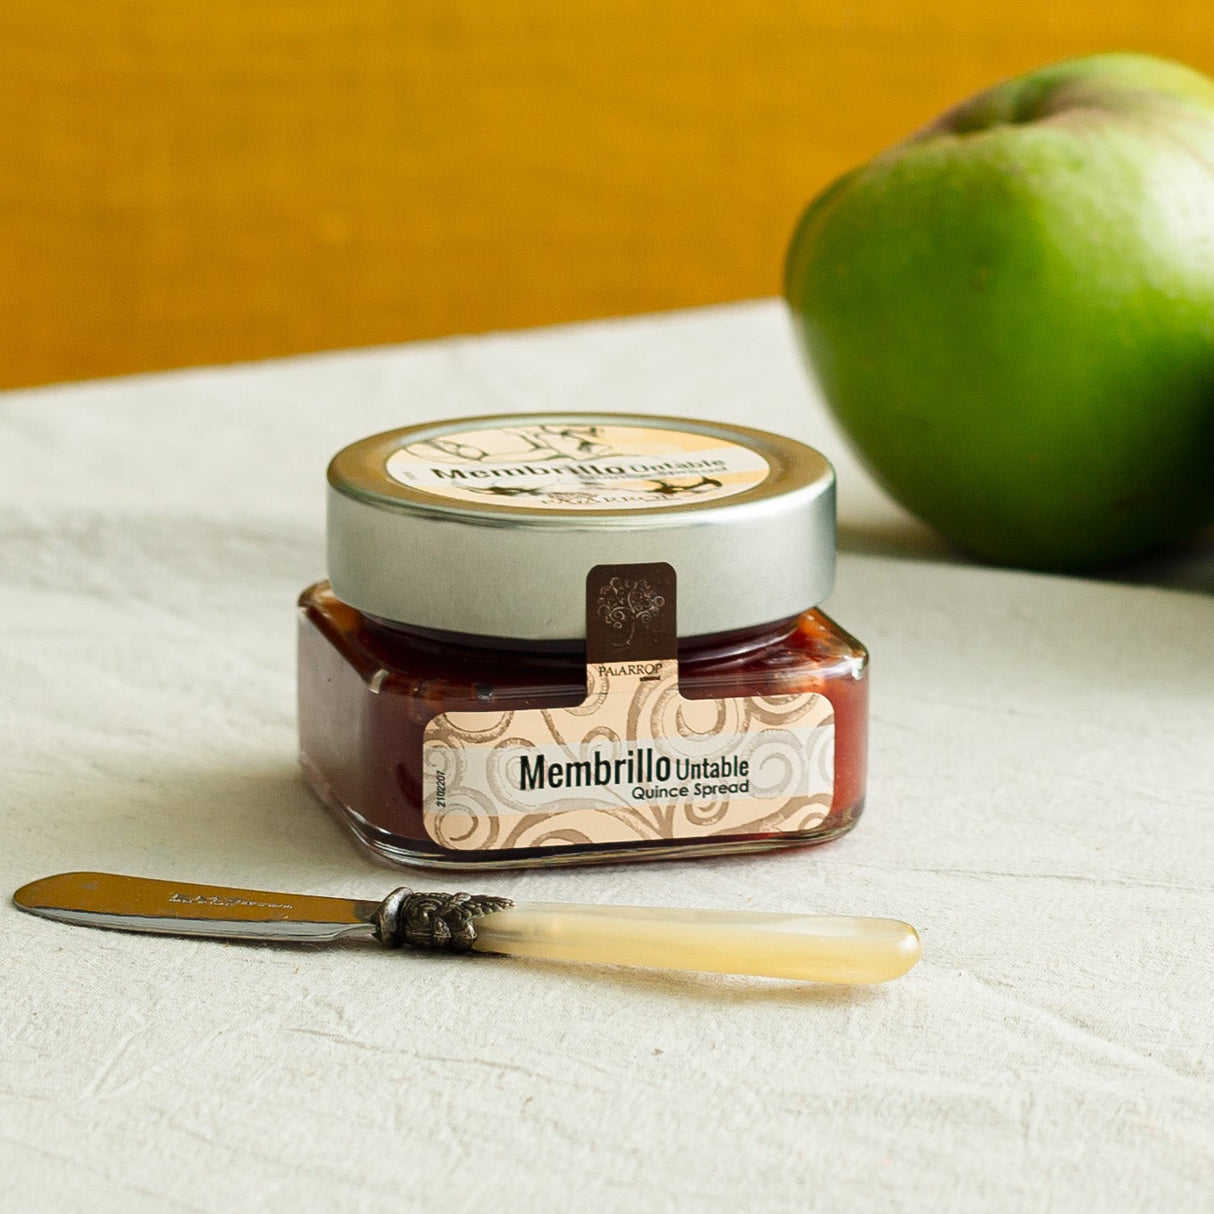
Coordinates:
[634,762]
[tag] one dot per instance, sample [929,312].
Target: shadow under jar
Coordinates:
[553,639]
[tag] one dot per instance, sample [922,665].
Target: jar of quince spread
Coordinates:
[552,639]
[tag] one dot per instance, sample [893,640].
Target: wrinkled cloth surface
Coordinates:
[1040,807]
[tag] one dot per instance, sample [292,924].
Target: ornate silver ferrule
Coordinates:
[433,920]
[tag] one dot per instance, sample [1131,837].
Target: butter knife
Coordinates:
[818,948]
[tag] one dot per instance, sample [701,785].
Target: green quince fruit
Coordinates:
[1011,313]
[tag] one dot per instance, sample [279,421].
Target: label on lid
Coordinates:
[578,467]
[635,761]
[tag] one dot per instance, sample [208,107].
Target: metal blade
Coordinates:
[139,904]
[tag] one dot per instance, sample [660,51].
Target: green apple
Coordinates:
[1011,313]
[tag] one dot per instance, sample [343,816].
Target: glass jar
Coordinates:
[560,639]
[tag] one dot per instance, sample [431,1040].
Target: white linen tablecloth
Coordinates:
[1040,808]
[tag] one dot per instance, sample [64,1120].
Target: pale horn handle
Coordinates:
[818,948]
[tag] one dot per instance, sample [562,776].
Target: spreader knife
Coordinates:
[818,948]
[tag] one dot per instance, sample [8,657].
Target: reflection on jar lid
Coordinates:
[489,525]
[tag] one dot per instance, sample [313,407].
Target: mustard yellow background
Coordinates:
[189,183]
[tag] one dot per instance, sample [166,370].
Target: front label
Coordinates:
[578,467]
[636,761]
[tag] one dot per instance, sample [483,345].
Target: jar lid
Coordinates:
[489,525]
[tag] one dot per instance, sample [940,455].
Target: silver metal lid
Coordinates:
[489,525]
